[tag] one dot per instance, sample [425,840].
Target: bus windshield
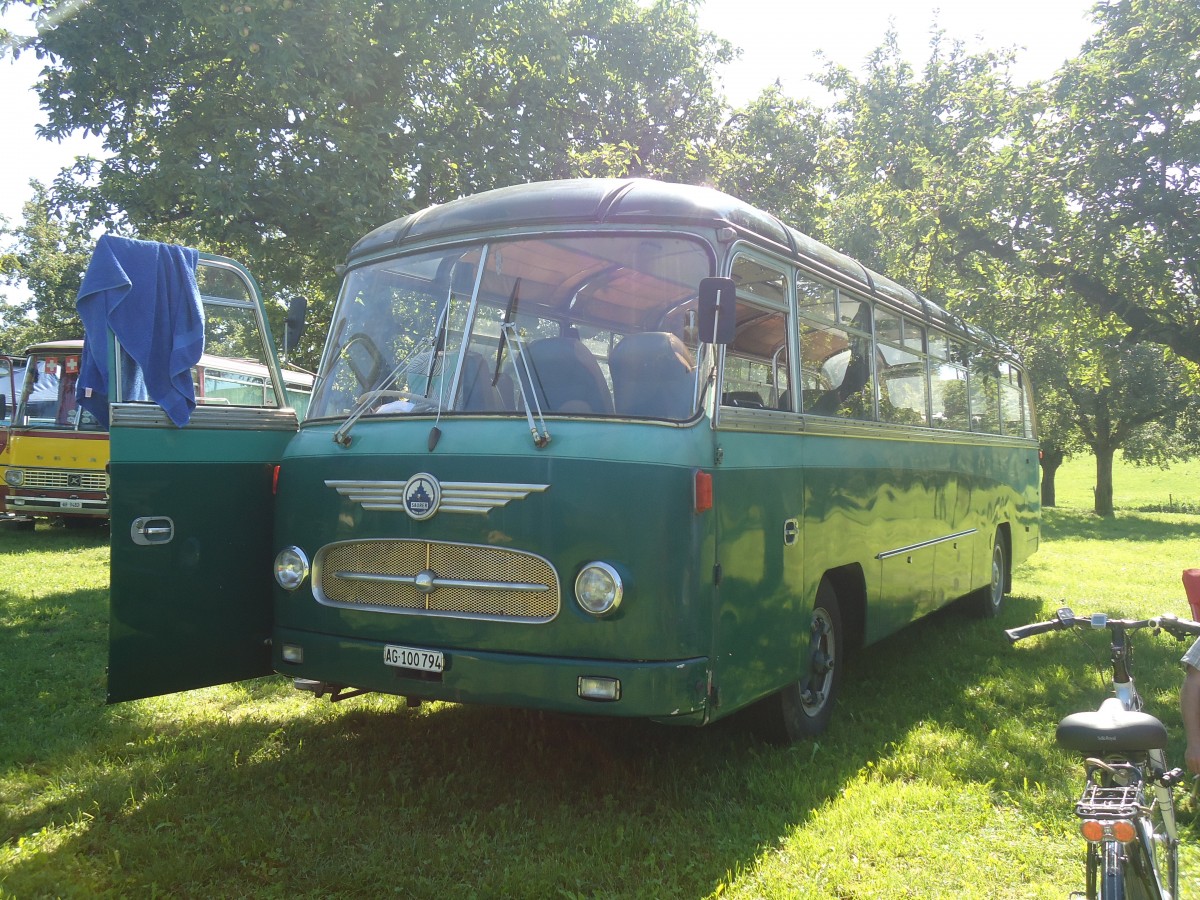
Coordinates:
[48,396]
[600,325]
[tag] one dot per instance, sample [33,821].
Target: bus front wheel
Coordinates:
[802,710]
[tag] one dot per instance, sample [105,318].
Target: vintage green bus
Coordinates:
[612,447]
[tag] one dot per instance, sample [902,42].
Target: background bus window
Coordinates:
[42,391]
[948,384]
[835,352]
[756,363]
[236,389]
[903,384]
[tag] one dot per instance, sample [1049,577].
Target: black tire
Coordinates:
[802,710]
[987,602]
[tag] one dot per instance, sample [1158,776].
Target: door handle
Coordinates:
[791,532]
[148,531]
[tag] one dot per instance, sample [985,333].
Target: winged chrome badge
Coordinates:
[422,495]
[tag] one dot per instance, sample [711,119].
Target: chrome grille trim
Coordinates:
[437,578]
[445,582]
[60,480]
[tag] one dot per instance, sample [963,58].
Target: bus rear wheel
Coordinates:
[986,602]
[802,710]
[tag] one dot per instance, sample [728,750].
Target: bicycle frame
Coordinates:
[1127,808]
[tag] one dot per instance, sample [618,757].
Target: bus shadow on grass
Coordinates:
[244,789]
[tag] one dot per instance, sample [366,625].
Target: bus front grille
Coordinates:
[433,578]
[57,479]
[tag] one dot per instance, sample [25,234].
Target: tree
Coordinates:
[768,155]
[1102,189]
[49,253]
[933,168]
[280,131]
[1133,395]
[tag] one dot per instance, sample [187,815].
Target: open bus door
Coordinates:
[192,515]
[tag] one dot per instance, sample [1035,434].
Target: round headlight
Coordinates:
[14,477]
[598,589]
[291,568]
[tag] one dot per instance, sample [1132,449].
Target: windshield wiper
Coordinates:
[509,336]
[510,312]
[525,381]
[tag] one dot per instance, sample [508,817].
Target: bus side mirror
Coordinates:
[293,325]
[718,319]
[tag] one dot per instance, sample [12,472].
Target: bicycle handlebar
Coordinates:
[1176,627]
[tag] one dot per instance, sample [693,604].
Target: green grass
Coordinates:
[937,779]
[1134,487]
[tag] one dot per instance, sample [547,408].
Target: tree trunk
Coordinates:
[1051,460]
[1104,480]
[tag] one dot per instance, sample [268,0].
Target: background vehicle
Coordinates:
[57,452]
[611,447]
[12,373]
[57,458]
[1127,809]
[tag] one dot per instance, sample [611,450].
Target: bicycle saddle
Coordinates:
[1111,729]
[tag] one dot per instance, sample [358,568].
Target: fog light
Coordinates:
[595,687]
[293,653]
[291,568]
[598,589]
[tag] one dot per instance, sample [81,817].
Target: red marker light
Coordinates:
[703,491]
[275,482]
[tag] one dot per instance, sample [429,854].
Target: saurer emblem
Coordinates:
[422,496]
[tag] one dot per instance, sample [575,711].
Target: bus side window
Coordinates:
[1011,393]
[756,363]
[984,391]
[903,374]
[948,384]
[835,352]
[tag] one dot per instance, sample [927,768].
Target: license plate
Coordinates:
[413,658]
[70,504]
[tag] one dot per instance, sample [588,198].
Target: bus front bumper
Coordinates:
[29,504]
[672,690]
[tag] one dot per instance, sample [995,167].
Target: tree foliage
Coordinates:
[769,154]
[1101,190]
[970,189]
[48,253]
[282,130]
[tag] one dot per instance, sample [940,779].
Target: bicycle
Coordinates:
[1127,808]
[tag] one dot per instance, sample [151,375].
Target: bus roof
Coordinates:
[291,377]
[640,201]
[71,346]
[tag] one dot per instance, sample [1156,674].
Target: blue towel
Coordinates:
[146,293]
